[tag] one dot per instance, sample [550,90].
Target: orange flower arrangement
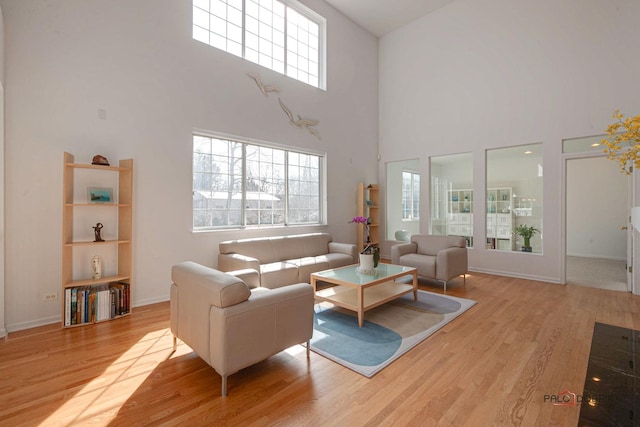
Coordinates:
[623,142]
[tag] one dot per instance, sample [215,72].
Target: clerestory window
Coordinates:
[282,35]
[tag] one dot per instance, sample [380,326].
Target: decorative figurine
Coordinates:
[100,160]
[96,231]
[96,267]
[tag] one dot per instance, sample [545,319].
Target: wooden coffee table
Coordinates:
[361,292]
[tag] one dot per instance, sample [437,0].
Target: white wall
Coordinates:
[479,74]
[135,59]
[597,206]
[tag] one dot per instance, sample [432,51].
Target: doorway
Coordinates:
[597,215]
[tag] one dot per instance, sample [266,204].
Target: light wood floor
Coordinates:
[491,366]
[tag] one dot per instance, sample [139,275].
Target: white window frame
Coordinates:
[204,19]
[322,197]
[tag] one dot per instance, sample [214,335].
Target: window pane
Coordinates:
[396,198]
[514,198]
[200,18]
[215,193]
[304,188]
[584,144]
[452,196]
[264,185]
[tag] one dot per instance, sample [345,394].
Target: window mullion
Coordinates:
[243,185]
[244,28]
[286,187]
[286,40]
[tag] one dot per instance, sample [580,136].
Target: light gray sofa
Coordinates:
[284,260]
[231,326]
[435,257]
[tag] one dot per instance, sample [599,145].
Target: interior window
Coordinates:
[514,198]
[403,199]
[452,196]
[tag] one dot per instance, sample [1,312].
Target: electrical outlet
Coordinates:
[50,297]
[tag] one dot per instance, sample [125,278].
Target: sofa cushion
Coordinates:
[315,244]
[277,274]
[309,265]
[336,260]
[287,247]
[431,245]
[261,248]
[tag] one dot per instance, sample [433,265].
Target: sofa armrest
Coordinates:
[249,276]
[402,249]
[344,248]
[233,262]
[451,262]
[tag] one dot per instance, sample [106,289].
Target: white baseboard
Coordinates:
[58,319]
[33,323]
[610,258]
[547,279]
[150,301]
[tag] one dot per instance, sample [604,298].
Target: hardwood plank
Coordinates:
[492,366]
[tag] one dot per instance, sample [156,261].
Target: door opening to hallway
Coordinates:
[597,217]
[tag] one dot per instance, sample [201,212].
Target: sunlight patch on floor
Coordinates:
[103,396]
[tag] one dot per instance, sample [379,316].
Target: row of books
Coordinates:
[89,304]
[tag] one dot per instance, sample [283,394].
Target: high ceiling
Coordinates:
[382,16]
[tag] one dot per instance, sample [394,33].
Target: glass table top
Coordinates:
[352,273]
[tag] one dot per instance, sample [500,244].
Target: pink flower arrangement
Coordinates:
[360,220]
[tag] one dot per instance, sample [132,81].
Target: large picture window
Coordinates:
[282,35]
[239,184]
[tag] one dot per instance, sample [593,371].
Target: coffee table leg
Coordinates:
[360,306]
[415,286]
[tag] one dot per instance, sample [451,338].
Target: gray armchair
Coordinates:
[435,257]
[231,326]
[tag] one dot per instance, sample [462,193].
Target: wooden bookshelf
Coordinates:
[368,200]
[74,207]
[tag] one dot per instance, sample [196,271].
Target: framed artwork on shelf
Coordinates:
[100,195]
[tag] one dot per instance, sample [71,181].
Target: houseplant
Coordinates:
[623,142]
[527,232]
[370,255]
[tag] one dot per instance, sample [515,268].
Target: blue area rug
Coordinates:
[388,332]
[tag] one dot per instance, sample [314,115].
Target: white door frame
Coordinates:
[563,212]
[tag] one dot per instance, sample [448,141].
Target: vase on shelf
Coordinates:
[96,267]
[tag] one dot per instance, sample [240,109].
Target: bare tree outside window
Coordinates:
[237,184]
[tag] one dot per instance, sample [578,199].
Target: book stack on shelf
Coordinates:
[90,304]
